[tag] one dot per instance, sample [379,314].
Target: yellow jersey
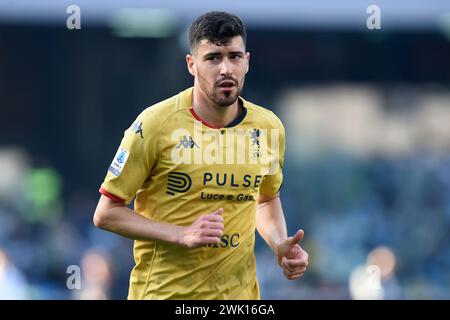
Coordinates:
[178,167]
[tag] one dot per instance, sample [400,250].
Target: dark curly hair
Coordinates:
[216,27]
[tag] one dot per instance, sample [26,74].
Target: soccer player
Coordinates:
[205,167]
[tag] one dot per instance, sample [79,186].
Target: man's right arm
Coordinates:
[116,217]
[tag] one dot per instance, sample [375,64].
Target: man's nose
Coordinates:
[225,68]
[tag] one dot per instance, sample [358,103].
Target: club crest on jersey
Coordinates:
[255,135]
[119,161]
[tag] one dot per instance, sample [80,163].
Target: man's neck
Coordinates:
[213,114]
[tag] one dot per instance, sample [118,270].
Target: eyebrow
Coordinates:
[218,54]
[212,54]
[237,52]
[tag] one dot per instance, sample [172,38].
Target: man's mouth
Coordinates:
[226,84]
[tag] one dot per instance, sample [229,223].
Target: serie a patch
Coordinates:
[119,161]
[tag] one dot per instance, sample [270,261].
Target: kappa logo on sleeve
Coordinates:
[119,161]
[137,128]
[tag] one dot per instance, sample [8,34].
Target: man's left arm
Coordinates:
[271,225]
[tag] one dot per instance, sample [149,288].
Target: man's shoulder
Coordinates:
[159,112]
[263,114]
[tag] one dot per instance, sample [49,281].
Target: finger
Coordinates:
[286,266]
[296,276]
[290,275]
[297,237]
[213,225]
[292,270]
[218,212]
[211,233]
[298,271]
[283,261]
[213,218]
[294,263]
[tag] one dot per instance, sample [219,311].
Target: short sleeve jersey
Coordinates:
[178,167]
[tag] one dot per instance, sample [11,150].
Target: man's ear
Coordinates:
[247,56]
[190,62]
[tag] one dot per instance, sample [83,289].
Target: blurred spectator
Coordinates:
[96,274]
[375,280]
[13,285]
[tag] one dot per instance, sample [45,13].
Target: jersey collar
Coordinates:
[233,123]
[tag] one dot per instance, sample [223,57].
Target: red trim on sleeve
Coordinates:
[111,196]
[201,120]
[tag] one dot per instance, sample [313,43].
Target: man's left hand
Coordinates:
[291,257]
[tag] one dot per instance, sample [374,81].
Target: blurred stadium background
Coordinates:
[367,114]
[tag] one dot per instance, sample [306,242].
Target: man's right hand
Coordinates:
[207,229]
